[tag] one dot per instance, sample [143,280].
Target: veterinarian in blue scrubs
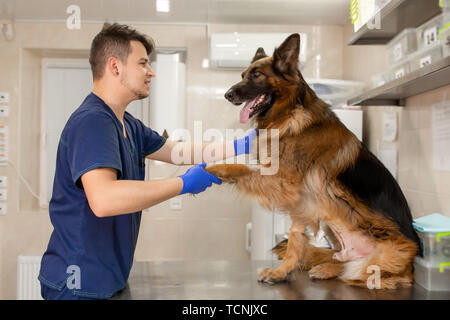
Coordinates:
[98,191]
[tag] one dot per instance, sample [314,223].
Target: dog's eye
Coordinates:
[256,74]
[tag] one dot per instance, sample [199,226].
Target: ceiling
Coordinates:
[315,12]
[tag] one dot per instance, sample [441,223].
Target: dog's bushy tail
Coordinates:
[280,249]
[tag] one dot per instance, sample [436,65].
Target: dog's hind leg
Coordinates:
[389,267]
[326,271]
[320,263]
[389,283]
[295,251]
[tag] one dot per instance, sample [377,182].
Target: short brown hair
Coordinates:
[114,40]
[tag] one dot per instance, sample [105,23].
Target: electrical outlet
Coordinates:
[3,181]
[3,195]
[4,111]
[3,208]
[3,145]
[4,97]
[176,203]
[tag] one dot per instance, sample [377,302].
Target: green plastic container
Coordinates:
[434,232]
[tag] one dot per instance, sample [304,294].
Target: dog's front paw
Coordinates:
[228,172]
[218,170]
[271,276]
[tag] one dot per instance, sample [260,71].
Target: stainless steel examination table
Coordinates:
[231,280]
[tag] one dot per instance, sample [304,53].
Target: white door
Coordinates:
[66,83]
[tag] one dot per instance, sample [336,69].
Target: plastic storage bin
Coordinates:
[335,92]
[380,79]
[434,232]
[425,56]
[444,3]
[427,34]
[363,11]
[399,70]
[445,40]
[401,46]
[446,16]
[444,32]
[436,246]
[433,276]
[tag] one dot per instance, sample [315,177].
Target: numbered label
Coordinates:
[430,36]
[425,61]
[399,73]
[398,52]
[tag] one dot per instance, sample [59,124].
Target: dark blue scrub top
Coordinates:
[102,248]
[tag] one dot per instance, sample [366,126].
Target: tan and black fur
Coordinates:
[325,174]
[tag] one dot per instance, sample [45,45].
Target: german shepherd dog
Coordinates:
[325,174]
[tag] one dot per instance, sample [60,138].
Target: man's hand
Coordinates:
[196,179]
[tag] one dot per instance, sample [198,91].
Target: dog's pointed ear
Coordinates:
[259,54]
[285,57]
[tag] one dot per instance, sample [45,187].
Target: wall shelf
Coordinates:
[430,77]
[396,16]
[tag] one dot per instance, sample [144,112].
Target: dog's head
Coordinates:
[269,84]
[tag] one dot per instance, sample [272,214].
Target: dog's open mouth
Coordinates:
[255,106]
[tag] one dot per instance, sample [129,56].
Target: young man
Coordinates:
[98,191]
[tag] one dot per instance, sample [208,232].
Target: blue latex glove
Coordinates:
[196,179]
[243,145]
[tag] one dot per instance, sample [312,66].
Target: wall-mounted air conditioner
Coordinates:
[236,50]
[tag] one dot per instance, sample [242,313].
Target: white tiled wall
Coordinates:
[210,225]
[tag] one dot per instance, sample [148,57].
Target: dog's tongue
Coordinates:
[245,111]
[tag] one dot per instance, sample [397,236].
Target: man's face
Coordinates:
[136,73]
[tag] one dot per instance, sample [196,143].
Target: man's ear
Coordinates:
[113,65]
[259,54]
[285,57]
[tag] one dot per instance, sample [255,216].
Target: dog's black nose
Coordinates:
[229,95]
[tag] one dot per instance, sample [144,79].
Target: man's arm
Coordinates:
[108,196]
[185,153]
[200,152]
